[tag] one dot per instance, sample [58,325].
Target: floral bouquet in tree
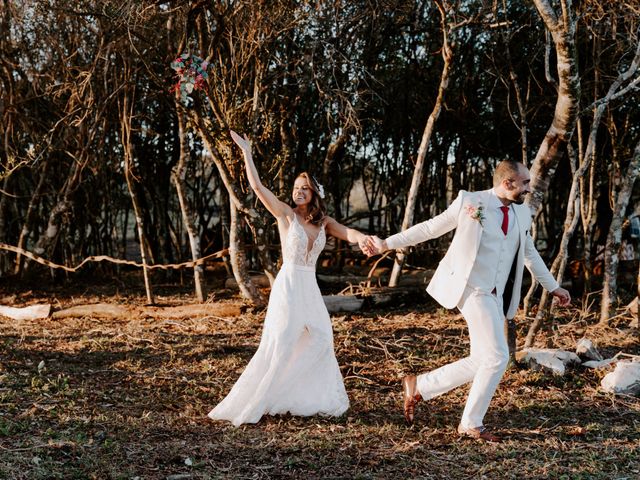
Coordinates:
[191,72]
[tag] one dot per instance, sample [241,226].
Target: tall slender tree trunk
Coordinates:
[614,238]
[560,262]
[333,184]
[589,215]
[225,229]
[126,114]
[528,298]
[635,323]
[178,177]
[412,197]
[4,259]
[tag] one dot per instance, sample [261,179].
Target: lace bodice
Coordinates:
[295,246]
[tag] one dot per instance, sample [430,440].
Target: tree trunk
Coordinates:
[636,322]
[125,131]
[238,260]
[560,262]
[614,238]
[332,177]
[589,214]
[526,302]
[562,28]
[178,177]
[46,243]
[412,197]
[25,231]
[4,259]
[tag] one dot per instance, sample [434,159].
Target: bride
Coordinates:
[294,369]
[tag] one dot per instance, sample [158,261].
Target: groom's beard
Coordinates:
[519,200]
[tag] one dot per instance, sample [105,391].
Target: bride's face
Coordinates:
[302,192]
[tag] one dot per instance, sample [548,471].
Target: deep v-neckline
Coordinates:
[308,248]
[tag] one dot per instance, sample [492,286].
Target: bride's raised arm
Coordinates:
[277,208]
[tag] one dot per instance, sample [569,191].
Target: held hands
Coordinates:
[363,244]
[372,245]
[563,297]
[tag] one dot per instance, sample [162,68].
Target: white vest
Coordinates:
[496,252]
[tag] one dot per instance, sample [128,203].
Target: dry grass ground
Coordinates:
[128,397]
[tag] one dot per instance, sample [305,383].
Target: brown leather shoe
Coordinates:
[479,433]
[410,396]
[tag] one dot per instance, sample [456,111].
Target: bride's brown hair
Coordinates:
[317,208]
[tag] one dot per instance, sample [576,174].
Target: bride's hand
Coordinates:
[243,142]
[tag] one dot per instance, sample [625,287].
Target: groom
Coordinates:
[481,275]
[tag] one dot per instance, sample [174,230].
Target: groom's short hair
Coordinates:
[508,169]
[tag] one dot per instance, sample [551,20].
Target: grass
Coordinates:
[127,398]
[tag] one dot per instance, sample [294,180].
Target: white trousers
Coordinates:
[484,366]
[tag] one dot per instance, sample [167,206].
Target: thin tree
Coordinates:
[126,114]
[614,238]
[446,11]
[179,180]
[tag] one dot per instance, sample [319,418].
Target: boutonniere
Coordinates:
[476,213]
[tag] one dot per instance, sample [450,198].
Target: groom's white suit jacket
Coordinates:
[451,276]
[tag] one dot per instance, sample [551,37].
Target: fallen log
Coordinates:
[106,310]
[413,278]
[342,303]
[101,310]
[32,312]
[199,310]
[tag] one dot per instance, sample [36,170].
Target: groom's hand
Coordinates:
[563,296]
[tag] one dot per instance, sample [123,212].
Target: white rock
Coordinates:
[586,348]
[625,379]
[598,363]
[548,359]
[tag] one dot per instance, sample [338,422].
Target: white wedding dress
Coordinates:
[294,369]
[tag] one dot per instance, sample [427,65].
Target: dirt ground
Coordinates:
[127,397]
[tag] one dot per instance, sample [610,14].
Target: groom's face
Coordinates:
[518,186]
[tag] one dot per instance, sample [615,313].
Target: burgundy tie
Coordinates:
[505,219]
